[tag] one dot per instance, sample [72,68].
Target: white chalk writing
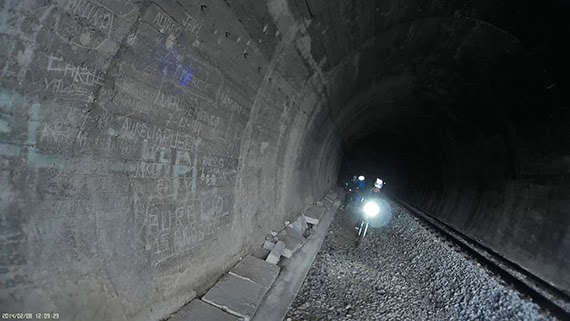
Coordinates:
[167,25]
[224,100]
[156,135]
[140,97]
[169,228]
[95,15]
[191,25]
[81,75]
[69,80]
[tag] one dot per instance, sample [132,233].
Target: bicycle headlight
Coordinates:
[371,209]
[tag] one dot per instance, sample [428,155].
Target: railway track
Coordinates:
[528,285]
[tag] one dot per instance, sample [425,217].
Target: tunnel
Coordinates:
[146,146]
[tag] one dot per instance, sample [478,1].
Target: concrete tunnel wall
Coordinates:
[506,197]
[146,146]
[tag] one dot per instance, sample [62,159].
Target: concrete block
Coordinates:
[312,220]
[275,254]
[293,233]
[236,295]
[293,240]
[199,310]
[260,253]
[315,212]
[272,258]
[268,245]
[287,253]
[299,224]
[287,285]
[256,270]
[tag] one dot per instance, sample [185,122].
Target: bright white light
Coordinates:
[371,209]
[378,183]
[360,178]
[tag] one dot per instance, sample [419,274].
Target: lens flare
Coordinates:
[371,209]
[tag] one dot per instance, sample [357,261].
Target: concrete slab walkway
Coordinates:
[283,292]
[236,295]
[199,310]
[254,288]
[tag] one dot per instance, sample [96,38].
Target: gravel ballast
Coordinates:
[402,272]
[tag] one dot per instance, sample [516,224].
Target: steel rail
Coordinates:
[556,301]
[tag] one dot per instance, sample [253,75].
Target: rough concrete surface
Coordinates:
[299,224]
[276,253]
[278,299]
[198,310]
[144,147]
[236,295]
[256,270]
[292,238]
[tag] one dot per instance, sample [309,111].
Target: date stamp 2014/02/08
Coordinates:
[30,316]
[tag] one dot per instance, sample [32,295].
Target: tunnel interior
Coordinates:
[147,145]
[468,119]
[472,125]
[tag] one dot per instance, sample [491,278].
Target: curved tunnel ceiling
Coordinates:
[436,59]
[394,65]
